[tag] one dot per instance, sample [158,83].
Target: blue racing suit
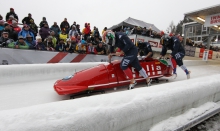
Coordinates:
[123,42]
[178,52]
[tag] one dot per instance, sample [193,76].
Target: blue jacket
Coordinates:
[174,45]
[123,42]
[24,33]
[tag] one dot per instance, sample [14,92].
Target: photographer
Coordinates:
[144,50]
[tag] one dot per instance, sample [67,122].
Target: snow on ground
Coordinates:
[175,122]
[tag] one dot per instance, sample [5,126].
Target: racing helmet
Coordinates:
[165,40]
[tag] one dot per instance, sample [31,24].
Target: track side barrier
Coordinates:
[137,109]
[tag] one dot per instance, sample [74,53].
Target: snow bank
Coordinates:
[173,123]
[137,109]
[35,72]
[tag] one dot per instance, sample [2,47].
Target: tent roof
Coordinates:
[131,22]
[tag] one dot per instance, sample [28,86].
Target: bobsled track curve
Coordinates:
[29,88]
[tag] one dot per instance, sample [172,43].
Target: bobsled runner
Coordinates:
[109,75]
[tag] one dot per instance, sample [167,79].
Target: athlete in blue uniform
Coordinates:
[144,50]
[130,56]
[178,52]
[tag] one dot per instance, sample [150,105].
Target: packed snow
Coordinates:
[36,106]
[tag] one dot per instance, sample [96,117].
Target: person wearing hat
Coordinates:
[44,21]
[26,31]
[11,13]
[48,42]
[61,45]
[56,29]
[44,31]
[30,42]
[4,39]
[15,26]
[27,19]
[39,44]
[33,27]
[63,35]
[21,44]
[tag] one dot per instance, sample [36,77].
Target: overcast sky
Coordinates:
[101,13]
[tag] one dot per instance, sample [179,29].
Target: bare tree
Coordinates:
[171,28]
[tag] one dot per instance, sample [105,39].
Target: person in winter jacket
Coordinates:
[49,44]
[11,18]
[21,44]
[4,39]
[30,42]
[56,29]
[33,27]
[11,13]
[60,46]
[91,49]
[27,19]
[63,35]
[73,32]
[1,25]
[86,31]
[44,32]
[101,49]
[65,24]
[39,44]
[25,32]
[44,21]
[15,26]
[12,34]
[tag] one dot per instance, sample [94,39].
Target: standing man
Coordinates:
[12,13]
[27,20]
[178,52]
[130,57]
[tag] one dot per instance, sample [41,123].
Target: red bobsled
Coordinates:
[104,76]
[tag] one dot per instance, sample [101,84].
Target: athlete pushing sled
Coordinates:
[130,52]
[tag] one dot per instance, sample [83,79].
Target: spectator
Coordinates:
[60,46]
[1,18]
[50,46]
[74,24]
[68,46]
[65,25]
[30,42]
[92,32]
[73,32]
[96,38]
[33,28]
[56,29]
[74,43]
[12,33]
[63,35]
[1,25]
[21,44]
[103,31]
[128,31]
[11,18]
[81,46]
[54,39]
[27,19]
[134,30]
[11,13]
[44,21]
[25,32]
[39,44]
[149,32]
[78,29]
[91,49]
[101,49]
[44,32]
[15,26]
[144,32]
[4,39]
[86,31]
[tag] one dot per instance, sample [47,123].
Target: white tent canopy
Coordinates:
[131,22]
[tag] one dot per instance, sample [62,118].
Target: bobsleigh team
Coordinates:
[131,54]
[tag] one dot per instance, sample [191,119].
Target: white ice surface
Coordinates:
[36,112]
[178,121]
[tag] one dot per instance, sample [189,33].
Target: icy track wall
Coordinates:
[10,74]
[133,110]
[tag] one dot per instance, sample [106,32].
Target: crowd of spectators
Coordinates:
[189,42]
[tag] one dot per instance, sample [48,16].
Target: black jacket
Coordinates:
[11,13]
